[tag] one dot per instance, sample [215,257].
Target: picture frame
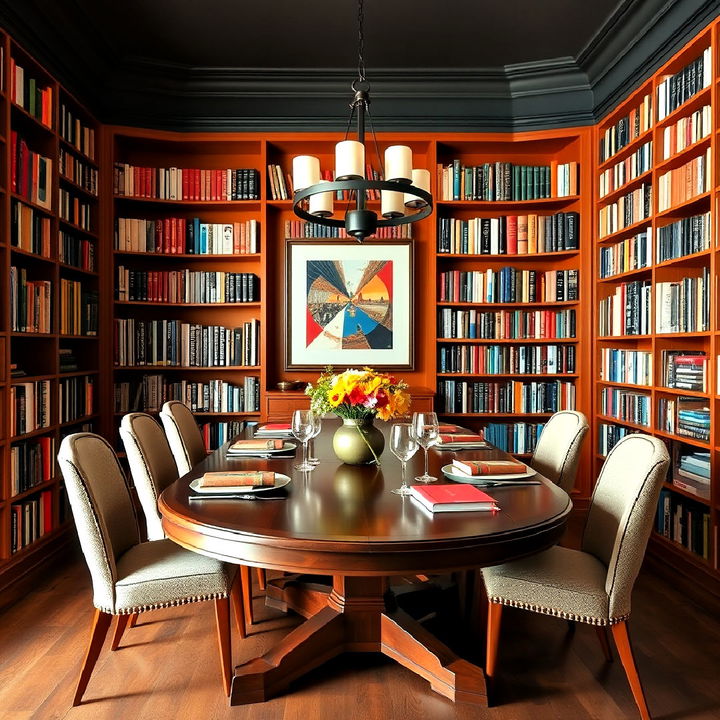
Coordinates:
[349,304]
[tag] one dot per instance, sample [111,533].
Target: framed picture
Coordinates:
[348,304]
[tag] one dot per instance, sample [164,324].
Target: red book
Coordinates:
[46,497]
[489,467]
[457,497]
[512,235]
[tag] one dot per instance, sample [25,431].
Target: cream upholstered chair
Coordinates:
[152,465]
[130,576]
[183,434]
[557,453]
[592,585]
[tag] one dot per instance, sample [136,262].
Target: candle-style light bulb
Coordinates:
[420,179]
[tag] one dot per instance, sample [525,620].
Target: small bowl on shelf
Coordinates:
[286,385]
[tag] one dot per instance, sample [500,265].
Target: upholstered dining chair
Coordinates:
[183,434]
[557,453]
[130,576]
[592,585]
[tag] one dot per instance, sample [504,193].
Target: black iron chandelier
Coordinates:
[404,191]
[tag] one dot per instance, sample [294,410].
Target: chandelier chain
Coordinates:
[361,41]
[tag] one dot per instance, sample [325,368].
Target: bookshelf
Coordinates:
[659,375]
[50,330]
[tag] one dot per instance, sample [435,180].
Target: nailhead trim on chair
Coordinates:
[158,606]
[558,613]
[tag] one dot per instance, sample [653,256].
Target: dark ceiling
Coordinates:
[282,65]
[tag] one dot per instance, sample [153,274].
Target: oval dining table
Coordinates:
[343,521]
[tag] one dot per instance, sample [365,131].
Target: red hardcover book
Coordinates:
[512,235]
[457,497]
[13,160]
[223,185]
[185,183]
[489,467]
[166,234]
[213,184]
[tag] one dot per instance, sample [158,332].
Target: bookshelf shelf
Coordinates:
[246,204]
[676,391]
[33,490]
[33,433]
[496,414]
[631,386]
[626,423]
[30,255]
[625,151]
[190,256]
[544,304]
[79,188]
[25,116]
[543,376]
[71,148]
[683,259]
[627,231]
[21,334]
[72,269]
[78,337]
[685,493]
[622,338]
[506,204]
[79,420]
[682,553]
[503,341]
[621,277]
[679,158]
[624,189]
[25,201]
[187,368]
[682,438]
[526,257]
[205,305]
[77,228]
[688,206]
[689,106]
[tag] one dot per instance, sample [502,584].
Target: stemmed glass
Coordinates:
[317,427]
[403,445]
[302,429]
[426,430]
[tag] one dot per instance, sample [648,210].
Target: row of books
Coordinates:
[505,324]
[30,303]
[638,121]
[186,286]
[76,251]
[509,234]
[216,433]
[176,343]
[686,131]
[31,463]
[74,210]
[78,171]
[684,305]
[687,416]
[691,471]
[177,235]
[567,179]
[632,253]
[461,396]
[609,436]
[279,188]
[626,210]
[685,182]
[626,170]
[507,359]
[30,520]
[625,405]
[494,181]
[31,94]
[30,172]
[78,309]
[67,360]
[30,229]
[149,394]
[76,397]
[304,229]
[29,406]
[76,133]
[684,522]
[508,285]
[626,366]
[685,369]
[627,310]
[519,437]
[683,237]
[676,89]
[186,183]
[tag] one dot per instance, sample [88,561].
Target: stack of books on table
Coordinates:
[274,430]
[692,473]
[452,498]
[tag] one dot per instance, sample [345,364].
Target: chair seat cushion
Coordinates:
[160,573]
[559,581]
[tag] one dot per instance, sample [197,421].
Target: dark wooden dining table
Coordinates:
[343,521]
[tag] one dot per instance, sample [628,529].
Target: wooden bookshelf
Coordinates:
[662,270]
[43,258]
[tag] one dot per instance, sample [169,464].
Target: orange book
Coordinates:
[489,467]
[238,478]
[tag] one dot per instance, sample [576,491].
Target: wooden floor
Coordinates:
[167,667]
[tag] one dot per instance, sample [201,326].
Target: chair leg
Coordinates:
[246,580]
[602,634]
[122,623]
[261,578]
[493,635]
[622,641]
[222,619]
[100,625]
[133,620]
[236,597]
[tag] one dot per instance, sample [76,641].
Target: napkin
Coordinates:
[265,444]
[489,467]
[239,478]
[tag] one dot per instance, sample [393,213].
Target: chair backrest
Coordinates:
[622,511]
[557,452]
[183,434]
[151,463]
[102,507]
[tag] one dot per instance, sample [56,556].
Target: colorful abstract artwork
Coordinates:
[355,302]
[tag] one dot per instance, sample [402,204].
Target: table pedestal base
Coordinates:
[358,615]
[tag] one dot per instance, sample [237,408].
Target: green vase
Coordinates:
[353,440]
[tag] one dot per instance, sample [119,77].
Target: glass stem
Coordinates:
[305,445]
[403,476]
[426,462]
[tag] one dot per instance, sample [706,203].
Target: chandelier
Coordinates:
[404,191]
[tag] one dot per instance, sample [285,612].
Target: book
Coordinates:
[453,498]
[268,444]
[238,478]
[489,467]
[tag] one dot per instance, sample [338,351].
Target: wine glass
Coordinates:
[302,429]
[403,445]
[426,430]
[317,427]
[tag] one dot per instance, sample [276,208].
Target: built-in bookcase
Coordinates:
[50,325]
[656,266]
